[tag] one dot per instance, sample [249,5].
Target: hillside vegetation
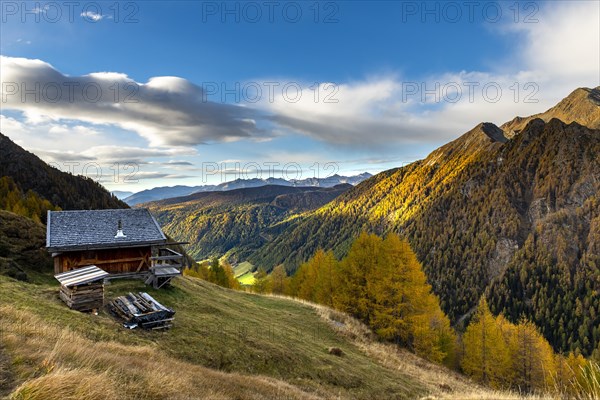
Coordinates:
[514,217]
[29,204]
[381,283]
[232,223]
[21,247]
[67,191]
[224,344]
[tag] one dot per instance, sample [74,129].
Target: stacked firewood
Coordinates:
[141,310]
[84,297]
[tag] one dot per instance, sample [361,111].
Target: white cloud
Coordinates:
[66,142]
[564,46]
[175,162]
[115,153]
[92,16]
[111,154]
[157,175]
[61,157]
[165,110]
[62,129]
[556,55]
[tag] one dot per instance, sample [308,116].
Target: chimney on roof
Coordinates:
[120,233]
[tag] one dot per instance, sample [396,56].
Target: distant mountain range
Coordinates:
[119,194]
[165,192]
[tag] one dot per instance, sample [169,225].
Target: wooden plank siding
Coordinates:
[113,261]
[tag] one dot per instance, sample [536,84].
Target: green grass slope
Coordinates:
[220,329]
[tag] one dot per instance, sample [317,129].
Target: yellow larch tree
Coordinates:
[486,355]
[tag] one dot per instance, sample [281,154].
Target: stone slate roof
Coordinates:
[96,229]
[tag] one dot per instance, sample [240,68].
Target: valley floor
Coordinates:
[224,345]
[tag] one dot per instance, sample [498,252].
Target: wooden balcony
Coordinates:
[164,267]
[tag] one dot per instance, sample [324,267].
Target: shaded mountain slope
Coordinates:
[22,244]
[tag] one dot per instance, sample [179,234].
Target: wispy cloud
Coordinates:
[166,110]
[178,163]
[114,154]
[552,58]
[92,16]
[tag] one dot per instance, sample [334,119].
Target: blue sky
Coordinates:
[193,69]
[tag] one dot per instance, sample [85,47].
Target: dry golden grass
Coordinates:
[39,359]
[67,366]
[588,386]
[282,339]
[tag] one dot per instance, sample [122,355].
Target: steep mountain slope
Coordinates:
[64,190]
[479,207]
[233,222]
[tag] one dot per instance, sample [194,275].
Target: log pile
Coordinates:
[86,297]
[141,310]
[82,289]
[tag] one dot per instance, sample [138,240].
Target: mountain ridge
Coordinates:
[471,208]
[573,108]
[164,192]
[70,192]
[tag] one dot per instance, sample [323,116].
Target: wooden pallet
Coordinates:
[141,310]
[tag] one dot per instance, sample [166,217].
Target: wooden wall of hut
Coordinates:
[113,261]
